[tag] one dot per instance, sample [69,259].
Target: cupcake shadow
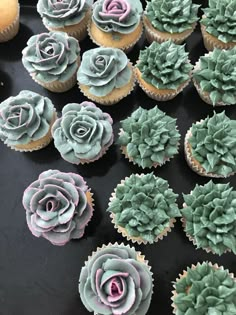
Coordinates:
[46,155]
[5,86]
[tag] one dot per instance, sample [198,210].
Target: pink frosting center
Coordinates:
[116,8]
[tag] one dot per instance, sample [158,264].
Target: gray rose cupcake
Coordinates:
[52,60]
[83,133]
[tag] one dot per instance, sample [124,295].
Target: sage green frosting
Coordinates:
[205,290]
[210,217]
[150,136]
[213,144]
[25,118]
[172,16]
[217,75]
[165,65]
[144,206]
[220,20]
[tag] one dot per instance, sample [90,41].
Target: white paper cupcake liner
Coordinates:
[12,30]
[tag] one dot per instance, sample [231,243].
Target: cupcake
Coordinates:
[214,77]
[218,24]
[149,138]
[9,19]
[143,208]
[116,280]
[83,133]
[116,23]
[66,16]
[209,217]
[168,19]
[205,289]
[210,146]
[26,121]
[105,75]
[163,70]
[52,60]
[58,206]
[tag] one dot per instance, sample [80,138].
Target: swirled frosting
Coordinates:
[58,206]
[115,281]
[213,144]
[149,136]
[220,20]
[172,16]
[24,118]
[63,13]
[51,56]
[210,217]
[169,70]
[104,69]
[144,206]
[205,290]
[83,132]
[217,75]
[122,16]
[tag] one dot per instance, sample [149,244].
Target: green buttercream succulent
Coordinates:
[144,206]
[213,144]
[220,19]
[172,16]
[205,290]
[217,75]
[149,136]
[210,217]
[165,65]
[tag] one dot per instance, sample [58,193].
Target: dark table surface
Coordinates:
[38,278]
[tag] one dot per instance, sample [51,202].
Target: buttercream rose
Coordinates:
[83,133]
[115,9]
[58,206]
[116,281]
[51,57]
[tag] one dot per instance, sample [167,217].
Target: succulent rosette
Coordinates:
[58,206]
[83,133]
[116,280]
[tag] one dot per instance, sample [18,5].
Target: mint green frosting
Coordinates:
[172,16]
[213,143]
[210,217]
[150,136]
[144,206]
[217,75]
[83,133]
[104,69]
[169,70]
[25,118]
[205,291]
[220,19]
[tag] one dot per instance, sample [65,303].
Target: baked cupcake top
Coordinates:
[82,133]
[172,16]
[121,16]
[144,205]
[103,70]
[51,56]
[116,280]
[64,12]
[219,19]
[210,217]
[24,118]
[58,206]
[213,144]
[149,137]
[216,75]
[165,65]
[205,289]
[9,11]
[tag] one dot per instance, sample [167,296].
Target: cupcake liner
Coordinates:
[12,30]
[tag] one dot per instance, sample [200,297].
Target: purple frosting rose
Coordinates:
[119,9]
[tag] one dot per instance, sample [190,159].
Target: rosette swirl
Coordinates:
[58,206]
[24,118]
[116,280]
[122,16]
[104,69]
[83,133]
[50,57]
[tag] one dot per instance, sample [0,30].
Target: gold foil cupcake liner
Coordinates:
[12,30]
